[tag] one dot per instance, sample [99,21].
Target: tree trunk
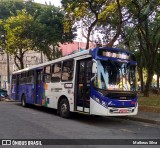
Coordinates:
[140,72]
[150,73]
[119,26]
[21,63]
[141,78]
[141,68]
[89,32]
[157,80]
[148,84]
[15,61]
[20,58]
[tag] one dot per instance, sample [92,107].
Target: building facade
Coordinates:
[33,58]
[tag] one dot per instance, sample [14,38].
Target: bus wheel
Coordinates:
[64,108]
[23,101]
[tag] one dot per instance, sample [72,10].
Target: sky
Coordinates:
[54,2]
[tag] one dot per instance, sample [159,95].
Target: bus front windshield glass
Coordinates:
[115,75]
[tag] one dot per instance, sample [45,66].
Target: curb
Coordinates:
[149,108]
[7,100]
[10,101]
[143,120]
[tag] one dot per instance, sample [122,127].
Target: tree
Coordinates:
[48,31]
[33,27]
[83,12]
[147,21]
[9,7]
[130,41]
[103,16]
[17,36]
[157,69]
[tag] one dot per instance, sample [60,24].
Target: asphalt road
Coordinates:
[17,122]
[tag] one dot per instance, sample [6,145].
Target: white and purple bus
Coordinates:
[99,81]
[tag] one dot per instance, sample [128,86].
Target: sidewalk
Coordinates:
[148,117]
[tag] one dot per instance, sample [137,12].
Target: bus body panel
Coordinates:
[28,91]
[54,91]
[22,90]
[48,99]
[99,103]
[98,109]
[13,91]
[48,94]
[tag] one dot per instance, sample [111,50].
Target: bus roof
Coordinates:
[81,53]
[92,52]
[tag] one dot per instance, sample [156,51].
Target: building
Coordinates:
[68,48]
[33,58]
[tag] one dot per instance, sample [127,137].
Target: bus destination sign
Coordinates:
[116,55]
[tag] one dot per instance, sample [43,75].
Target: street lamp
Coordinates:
[8,72]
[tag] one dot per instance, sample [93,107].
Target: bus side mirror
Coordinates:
[94,68]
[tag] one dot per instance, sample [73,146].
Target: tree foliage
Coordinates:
[135,23]
[147,23]
[48,31]
[17,36]
[83,12]
[32,26]
[103,16]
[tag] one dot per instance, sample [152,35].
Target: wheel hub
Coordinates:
[64,108]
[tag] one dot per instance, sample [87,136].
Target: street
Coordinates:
[42,123]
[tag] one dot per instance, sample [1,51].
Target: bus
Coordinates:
[100,81]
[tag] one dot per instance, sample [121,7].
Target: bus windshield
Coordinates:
[116,75]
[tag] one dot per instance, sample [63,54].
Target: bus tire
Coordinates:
[23,101]
[64,109]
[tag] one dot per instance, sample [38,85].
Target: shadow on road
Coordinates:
[83,118]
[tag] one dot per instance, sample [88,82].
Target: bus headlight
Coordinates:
[103,104]
[97,100]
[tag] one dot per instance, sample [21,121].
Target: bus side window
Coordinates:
[20,80]
[56,72]
[89,71]
[39,77]
[14,79]
[30,77]
[23,78]
[67,70]
[47,73]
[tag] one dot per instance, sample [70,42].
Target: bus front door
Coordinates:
[39,87]
[84,74]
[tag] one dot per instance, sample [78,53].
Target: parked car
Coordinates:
[3,93]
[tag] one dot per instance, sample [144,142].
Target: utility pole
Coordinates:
[41,57]
[8,73]
[8,69]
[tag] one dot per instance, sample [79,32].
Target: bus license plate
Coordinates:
[123,110]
